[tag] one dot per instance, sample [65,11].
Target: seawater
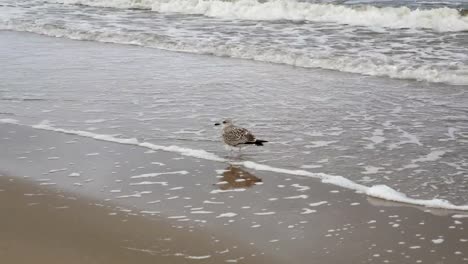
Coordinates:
[378,94]
[420,40]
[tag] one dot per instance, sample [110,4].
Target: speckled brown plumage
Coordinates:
[236,136]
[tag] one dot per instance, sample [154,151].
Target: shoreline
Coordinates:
[283,218]
[346,142]
[383,192]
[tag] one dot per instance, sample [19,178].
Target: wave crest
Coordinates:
[343,63]
[438,19]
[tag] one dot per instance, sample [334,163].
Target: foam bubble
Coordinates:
[308,211]
[151,175]
[226,215]
[198,257]
[265,213]
[318,203]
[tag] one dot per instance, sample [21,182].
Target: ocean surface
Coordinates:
[421,40]
[378,94]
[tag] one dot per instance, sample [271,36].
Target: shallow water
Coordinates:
[281,218]
[411,136]
[419,40]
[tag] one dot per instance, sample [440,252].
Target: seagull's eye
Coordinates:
[224,122]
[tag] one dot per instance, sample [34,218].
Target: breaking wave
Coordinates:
[344,63]
[438,19]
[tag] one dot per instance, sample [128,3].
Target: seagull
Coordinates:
[237,136]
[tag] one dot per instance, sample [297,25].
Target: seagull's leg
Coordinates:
[228,148]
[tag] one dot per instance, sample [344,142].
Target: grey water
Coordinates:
[409,135]
[417,40]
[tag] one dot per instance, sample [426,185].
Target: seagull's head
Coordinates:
[226,122]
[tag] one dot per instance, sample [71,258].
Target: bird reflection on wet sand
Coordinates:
[235,177]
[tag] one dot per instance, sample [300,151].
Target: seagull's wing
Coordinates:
[238,135]
[244,135]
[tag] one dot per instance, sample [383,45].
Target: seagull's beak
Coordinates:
[217,124]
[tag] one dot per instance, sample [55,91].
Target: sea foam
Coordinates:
[437,19]
[397,69]
[378,191]
[9,121]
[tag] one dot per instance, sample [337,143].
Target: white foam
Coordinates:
[226,215]
[211,202]
[364,65]
[438,19]
[432,156]
[387,193]
[198,257]
[265,213]
[318,203]
[177,217]
[197,153]
[302,196]
[156,174]
[136,194]
[300,188]
[47,183]
[228,190]
[371,170]
[308,211]
[129,141]
[311,166]
[149,183]
[378,191]
[9,121]
[458,216]
[201,212]
[57,170]
[150,212]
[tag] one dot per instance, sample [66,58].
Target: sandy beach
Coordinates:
[99,202]
[41,225]
[109,153]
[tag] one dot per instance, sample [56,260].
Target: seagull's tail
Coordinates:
[257,142]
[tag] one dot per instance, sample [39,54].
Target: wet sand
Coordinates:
[39,225]
[72,199]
